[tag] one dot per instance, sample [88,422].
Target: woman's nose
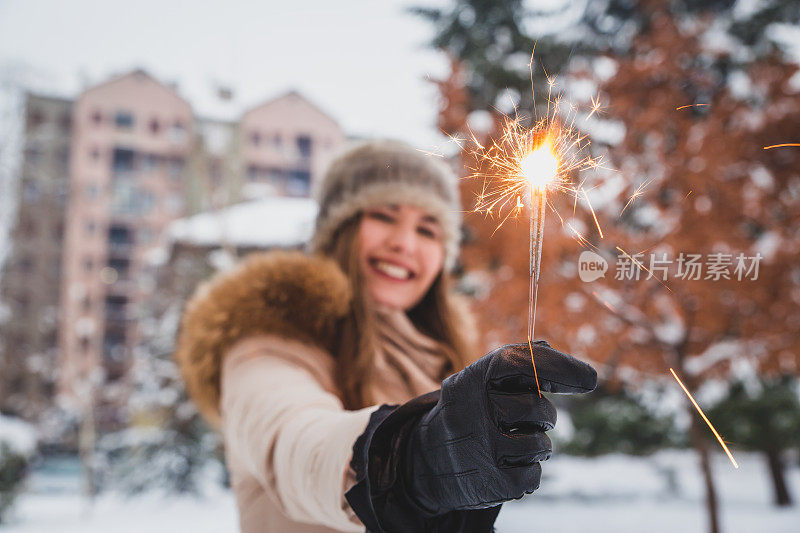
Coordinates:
[402,239]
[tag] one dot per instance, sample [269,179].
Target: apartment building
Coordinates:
[285,144]
[102,178]
[131,137]
[31,279]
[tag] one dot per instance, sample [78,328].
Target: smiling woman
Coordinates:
[400,252]
[301,360]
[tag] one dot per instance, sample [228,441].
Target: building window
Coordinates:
[31,191]
[23,303]
[124,160]
[62,193]
[177,133]
[88,264]
[58,231]
[92,191]
[65,122]
[91,227]
[120,235]
[97,117]
[154,126]
[304,145]
[299,182]
[27,228]
[85,344]
[94,153]
[123,120]
[255,138]
[146,202]
[26,264]
[277,141]
[35,119]
[120,265]
[175,168]
[86,304]
[33,154]
[63,157]
[151,162]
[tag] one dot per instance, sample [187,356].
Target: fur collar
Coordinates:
[286,293]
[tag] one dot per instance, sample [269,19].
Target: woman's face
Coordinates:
[400,253]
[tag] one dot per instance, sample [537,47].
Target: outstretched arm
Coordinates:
[284,425]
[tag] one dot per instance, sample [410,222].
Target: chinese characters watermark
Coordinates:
[687,266]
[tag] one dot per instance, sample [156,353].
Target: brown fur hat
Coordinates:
[379,172]
[286,293]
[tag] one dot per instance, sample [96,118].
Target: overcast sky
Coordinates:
[363,61]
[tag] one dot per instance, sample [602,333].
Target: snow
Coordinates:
[767,245]
[277,221]
[740,85]
[662,493]
[604,68]
[19,436]
[603,131]
[716,353]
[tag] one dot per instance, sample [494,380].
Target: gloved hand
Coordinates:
[446,460]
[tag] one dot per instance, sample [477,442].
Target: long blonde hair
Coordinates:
[435,315]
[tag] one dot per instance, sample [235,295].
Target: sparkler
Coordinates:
[527,162]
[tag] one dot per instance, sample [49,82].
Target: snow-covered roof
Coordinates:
[264,223]
[19,436]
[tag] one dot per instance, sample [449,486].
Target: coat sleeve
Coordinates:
[284,425]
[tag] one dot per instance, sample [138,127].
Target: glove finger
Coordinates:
[520,480]
[525,412]
[517,450]
[511,370]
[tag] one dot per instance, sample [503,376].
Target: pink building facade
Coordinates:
[285,145]
[131,137]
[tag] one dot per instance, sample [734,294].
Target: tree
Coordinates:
[763,416]
[609,421]
[711,188]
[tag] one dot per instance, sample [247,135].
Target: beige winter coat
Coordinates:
[255,352]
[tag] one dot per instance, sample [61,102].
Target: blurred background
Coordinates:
[146,146]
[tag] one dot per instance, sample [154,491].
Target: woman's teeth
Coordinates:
[393,271]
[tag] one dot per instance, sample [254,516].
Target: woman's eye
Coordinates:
[427,232]
[379,215]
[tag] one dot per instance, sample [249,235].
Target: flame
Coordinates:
[540,166]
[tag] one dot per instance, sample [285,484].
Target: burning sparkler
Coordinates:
[526,163]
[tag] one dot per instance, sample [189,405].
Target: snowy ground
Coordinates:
[616,494]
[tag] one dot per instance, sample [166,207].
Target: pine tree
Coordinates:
[763,416]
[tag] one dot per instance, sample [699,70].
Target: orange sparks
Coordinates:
[596,223]
[724,447]
[595,106]
[689,105]
[641,266]
[636,194]
[781,145]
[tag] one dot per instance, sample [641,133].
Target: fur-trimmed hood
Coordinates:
[288,293]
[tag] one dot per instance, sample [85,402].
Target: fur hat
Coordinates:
[387,172]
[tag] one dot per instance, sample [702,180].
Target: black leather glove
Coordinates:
[446,460]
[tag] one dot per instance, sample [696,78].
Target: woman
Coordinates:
[300,360]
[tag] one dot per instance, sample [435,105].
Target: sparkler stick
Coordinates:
[724,447]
